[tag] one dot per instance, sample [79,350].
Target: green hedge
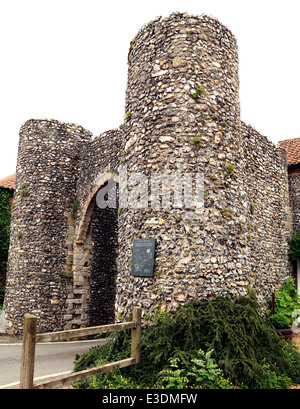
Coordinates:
[5,215]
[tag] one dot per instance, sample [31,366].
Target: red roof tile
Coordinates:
[292,148]
[9,181]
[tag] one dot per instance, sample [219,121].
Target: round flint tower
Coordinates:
[183,117]
[42,223]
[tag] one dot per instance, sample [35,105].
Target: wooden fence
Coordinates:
[30,338]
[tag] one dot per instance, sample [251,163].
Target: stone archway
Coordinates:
[94,264]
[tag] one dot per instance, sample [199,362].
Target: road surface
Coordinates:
[50,358]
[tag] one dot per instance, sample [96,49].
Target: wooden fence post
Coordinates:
[136,334]
[28,352]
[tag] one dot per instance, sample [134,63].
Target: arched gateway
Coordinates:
[93,266]
[70,260]
[62,258]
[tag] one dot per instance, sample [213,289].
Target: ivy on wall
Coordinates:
[5,214]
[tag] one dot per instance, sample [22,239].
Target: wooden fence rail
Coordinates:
[30,338]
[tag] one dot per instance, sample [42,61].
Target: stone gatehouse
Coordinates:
[70,260]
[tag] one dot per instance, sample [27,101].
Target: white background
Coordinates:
[67,60]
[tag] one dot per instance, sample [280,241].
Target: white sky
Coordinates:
[67,60]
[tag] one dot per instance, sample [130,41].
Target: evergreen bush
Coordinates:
[245,347]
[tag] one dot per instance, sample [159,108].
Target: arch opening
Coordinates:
[94,265]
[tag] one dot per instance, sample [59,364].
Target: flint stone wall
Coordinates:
[270,218]
[294,191]
[46,175]
[182,115]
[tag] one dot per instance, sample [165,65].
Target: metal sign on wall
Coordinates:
[143,257]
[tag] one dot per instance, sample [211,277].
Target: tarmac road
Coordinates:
[50,358]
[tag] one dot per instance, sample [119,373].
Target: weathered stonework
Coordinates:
[294,189]
[49,153]
[269,222]
[182,115]
[292,148]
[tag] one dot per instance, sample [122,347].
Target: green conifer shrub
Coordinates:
[245,346]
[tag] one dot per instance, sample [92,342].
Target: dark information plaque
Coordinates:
[143,257]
